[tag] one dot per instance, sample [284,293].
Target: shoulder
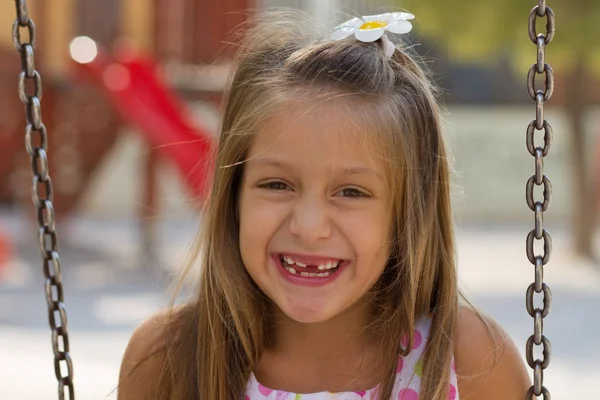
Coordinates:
[487,361]
[144,357]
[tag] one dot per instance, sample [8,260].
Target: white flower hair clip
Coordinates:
[369,28]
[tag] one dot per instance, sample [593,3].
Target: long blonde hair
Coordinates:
[216,339]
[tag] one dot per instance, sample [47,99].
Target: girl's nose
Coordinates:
[310,220]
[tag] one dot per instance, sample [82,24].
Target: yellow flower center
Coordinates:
[373,25]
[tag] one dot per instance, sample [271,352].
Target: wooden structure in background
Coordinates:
[193,31]
[83,127]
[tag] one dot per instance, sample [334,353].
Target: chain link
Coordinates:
[41,190]
[539,179]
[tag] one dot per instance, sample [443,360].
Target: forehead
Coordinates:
[320,133]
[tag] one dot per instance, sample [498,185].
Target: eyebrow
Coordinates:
[349,170]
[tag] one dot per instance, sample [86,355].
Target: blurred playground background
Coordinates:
[132,103]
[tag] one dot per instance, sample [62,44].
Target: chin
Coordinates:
[307,313]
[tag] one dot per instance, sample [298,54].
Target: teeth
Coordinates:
[329,265]
[288,260]
[323,267]
[308,274]
[311,274]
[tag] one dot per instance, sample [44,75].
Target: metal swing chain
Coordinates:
[42,198]
[538,207]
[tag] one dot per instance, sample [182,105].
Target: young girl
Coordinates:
[328,263]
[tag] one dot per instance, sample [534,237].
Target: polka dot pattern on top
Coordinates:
[407,386]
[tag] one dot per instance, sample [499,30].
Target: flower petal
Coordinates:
[343,32]
[346,29]
[354,22]
[387,17]
[402,15]
[388,47]
[369,35]
[399,26]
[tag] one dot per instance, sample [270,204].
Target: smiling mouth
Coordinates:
[309,271]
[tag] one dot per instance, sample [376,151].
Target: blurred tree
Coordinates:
[482,30]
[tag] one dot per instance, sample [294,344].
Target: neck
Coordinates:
[309,358]
[323,343]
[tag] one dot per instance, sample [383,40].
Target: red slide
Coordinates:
[145,100]
[6,252]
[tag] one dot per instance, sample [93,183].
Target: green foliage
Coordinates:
[481,30]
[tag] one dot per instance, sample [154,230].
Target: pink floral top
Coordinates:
[407,387]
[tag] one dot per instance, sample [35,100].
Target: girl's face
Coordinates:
[314,215]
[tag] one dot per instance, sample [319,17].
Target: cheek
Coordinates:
[369,234]
[258,224]
[250,231]
[369,238]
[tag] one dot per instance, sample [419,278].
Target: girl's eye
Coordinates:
[274,185]
[282,186]
[353,193]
